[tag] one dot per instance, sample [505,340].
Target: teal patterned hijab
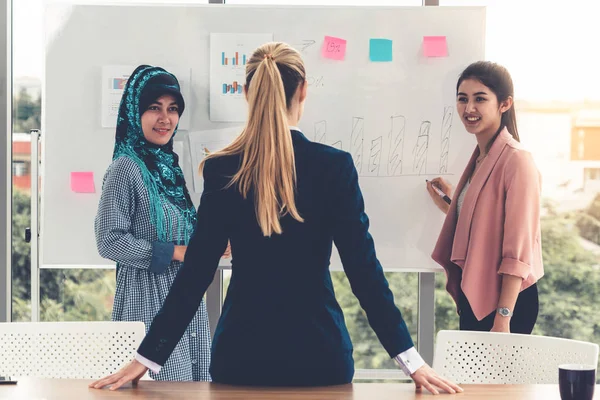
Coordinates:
[161,173]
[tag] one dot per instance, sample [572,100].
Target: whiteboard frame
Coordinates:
[6,167]
[413,268]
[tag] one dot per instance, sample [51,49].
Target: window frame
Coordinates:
[6,167]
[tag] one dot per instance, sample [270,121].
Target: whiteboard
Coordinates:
[396,118]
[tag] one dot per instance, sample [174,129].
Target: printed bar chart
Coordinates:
[233,88]
[235,60]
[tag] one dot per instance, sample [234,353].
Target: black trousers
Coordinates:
[523,320]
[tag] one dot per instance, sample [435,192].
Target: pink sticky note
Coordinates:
[333,48]
[435,46]
[82,182]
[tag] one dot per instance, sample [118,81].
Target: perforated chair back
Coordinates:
[504,358]
[68,350]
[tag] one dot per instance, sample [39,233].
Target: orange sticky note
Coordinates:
[333,48]
[435,46]
[82,182]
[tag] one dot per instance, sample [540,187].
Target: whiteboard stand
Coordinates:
[214,301]
[426,316]
[35,237]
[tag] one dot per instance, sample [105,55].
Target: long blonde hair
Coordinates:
[273,74]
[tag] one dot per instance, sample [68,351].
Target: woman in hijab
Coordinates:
[146,217]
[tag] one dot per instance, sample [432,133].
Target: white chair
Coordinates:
[504,358]
[67,350]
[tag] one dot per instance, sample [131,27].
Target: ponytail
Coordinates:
[267,166]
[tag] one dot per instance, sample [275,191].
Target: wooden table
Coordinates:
[73,389]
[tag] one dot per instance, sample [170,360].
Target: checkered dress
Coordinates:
[125,234]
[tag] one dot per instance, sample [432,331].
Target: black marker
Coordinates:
[442,194]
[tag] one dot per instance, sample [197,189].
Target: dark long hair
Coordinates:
[498,80]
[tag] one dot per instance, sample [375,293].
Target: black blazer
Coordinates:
[281,323]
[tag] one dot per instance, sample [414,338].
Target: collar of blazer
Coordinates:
[463,224]
[297,134]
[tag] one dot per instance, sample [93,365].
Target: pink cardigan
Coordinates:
[498,230]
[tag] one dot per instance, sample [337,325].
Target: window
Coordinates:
[557,97]
[331,2]
[66,294]
[585,136]
[19,168]
[73,294]
[592,174]
[368,352]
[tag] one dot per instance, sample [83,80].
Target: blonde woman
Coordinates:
[282,201]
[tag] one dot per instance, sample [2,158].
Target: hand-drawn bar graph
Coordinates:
[445,140]
[421,148]
[321,132]
[385,154]
[357,138]
[375,155]
[396,149]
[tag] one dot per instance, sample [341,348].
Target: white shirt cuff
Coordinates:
[409,361]
[151,365]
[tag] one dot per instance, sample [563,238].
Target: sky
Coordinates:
[550,47]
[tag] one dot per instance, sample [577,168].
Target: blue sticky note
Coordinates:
[380,50]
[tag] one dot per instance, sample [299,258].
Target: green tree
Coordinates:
[21,265]
[588,221]
[445,308]
[27,113]
[66,294]
[368,352]
[82,295]
[594,208]
[570,285]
